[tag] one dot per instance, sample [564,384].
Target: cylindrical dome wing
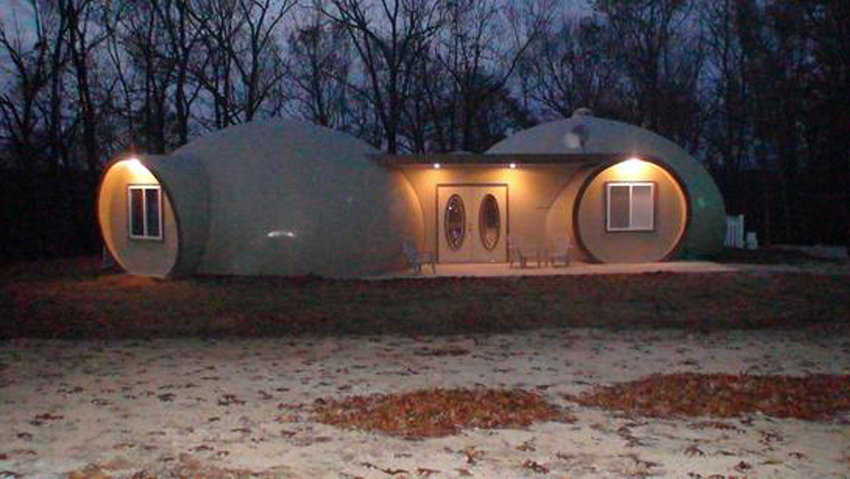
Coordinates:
[585,134]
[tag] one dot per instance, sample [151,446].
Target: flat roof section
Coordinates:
[494,159]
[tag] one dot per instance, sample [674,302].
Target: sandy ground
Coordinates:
[241,407]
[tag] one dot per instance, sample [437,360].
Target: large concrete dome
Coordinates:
[284,198]
[703,210]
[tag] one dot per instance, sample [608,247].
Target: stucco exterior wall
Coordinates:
[670,217]
[532,190]
[559,220]
[139,256]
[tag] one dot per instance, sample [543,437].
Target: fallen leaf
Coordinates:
[228,399]
[815,397]
[42,418]
[534,466]
[693,450]
[385,470]
[527,446]
[438,412]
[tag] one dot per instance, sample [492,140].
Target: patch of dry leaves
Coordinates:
[438,412]
[816,397]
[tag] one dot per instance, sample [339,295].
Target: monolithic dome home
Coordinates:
[290,198]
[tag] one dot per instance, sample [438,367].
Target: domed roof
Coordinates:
[584,133]
[263,142]
[288,197]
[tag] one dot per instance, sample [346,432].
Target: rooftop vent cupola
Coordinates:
[578,136]
[582,111]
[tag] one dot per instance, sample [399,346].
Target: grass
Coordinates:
[774,256]
[74,299]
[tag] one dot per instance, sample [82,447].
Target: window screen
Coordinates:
[152,212]
[137,212]
[642,207]
[145,212]
[618,201]
[630,206]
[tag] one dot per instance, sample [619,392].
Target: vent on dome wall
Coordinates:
[577,137]
[579,134]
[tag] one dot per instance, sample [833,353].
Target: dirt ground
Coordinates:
[242,407]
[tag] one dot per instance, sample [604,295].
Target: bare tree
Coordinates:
[29,75]
[83,38]
[825,27]
[661,54]
[570,67]
[184,36]
[480,50]
[320,66]
[387,35]
[245,65]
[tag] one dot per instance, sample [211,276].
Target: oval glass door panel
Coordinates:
[489,222]
[454,222]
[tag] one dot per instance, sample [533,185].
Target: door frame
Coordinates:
[437,211]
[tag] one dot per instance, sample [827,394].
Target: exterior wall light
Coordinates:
[436,166]
[512,166]
[632,167]
[136,167]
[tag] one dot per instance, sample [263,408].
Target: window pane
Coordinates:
[489,222]
[152,205]
[642,207]
[455,222]
[137,220]
[618,204]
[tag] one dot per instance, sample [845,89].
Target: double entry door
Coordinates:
[472,222]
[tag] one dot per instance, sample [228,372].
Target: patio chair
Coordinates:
[560,251]
[416,258]
[515,254]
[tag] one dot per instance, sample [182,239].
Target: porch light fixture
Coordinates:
[133,162]
[633,166]
[512,166]
[135,166]
[436,166]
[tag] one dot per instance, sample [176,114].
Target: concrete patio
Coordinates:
[580,268]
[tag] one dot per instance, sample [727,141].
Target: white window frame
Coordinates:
[145,234]
[631,185]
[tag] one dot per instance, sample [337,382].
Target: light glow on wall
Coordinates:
[436,166]
[632,168]
[139,173]
[135,165]
[512,166]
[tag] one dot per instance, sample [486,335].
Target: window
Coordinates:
[630,206]
[454,222]
[145,208]
[489,222]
